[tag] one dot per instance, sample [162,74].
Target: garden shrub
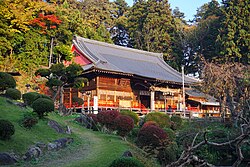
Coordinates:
[151,136]
[44,96]
[42,106]
[123,124]
[77,100]
[29,120]
[131,114]
[126,162]
[134,132]
[168,154]
[150,123]
[106,118]
[6,81]
[13,93]
[30,97]
[161,119]
[170,133]
[7,129]
[177,120]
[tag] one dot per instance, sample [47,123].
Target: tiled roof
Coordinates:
[109,57]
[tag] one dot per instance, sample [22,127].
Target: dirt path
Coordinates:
[68,156]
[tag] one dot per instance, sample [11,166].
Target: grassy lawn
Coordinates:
[90,149]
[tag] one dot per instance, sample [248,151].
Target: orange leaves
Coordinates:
[46,22]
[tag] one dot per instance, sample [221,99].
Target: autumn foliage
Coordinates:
[151,136]
[106,118]
[123,124]
[46,21]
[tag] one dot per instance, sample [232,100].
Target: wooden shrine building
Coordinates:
[125,78]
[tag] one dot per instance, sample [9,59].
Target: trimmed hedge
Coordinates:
[123,124]
[42,106]
[106,118]
[7,129]
[177,120]
[30,97]
[170,133]
[150,123]
[131,114]
[151,136]
[126,162]
[29,120]
[13,93]
[6,81]
[161,119]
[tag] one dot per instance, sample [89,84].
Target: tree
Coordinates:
[136,18]
[234,32]
[229,82]
[59,76]
[119,32]
[200,38]
[150,26]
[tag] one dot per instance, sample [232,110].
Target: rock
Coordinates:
[52,146]
[41,145]
[85,120]
[68,131]
[53,124]
[127,154]
[64,141]
[33,152]
[7,159]
[22,105]
[60,143]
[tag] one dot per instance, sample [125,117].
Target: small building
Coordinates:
[125,78]
[200,104]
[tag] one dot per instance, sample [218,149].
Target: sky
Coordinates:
[188,7]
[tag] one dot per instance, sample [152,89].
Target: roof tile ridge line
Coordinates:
[120,47]
[90,52]
[75,42]
[173,71]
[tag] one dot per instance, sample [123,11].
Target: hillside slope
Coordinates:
[89,149]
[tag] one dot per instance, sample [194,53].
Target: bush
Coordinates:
[7,129]
[42,106]
[161,119]
[30,97]
[177,120]
[13,93]
[134,132]
[123,124]
[6,81]
[106,118]
[150,123]
[151,136]
[29,120]
[77,100]
[170,133]
[126,162]
[132,115]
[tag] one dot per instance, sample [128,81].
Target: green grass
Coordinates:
[89,149]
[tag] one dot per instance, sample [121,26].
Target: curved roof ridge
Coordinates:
[119,47]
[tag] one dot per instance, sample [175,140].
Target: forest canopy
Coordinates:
[37,34]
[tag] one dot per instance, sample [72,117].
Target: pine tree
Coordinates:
[234,34]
